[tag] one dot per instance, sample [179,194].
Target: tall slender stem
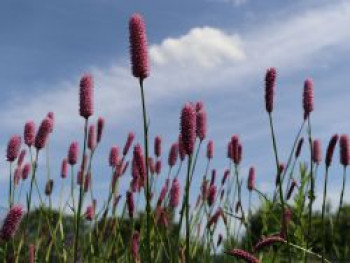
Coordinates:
[81,193]
[148,205]
[280,181]
[312,185]
[341,194]
[187,209]
[323,214]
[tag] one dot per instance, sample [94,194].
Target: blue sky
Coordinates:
[216,51]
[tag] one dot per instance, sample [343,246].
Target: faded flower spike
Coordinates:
[270,80]
[330,149]
[138,47]
[86,96]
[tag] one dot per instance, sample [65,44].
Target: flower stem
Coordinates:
[187,209]
[81,195]
[341,194]
[148,201]
[323,214]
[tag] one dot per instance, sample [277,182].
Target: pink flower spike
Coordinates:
[29,133]
[210,150]
[91,138]
[175,193]
[100,128]
[268,241]
[251,178]
[73,153]
[211,195]
[11,223]
[31,253]
[270,81]
[90,213]
[330,149]
[188,128]
[158,167]
[21,157]
[50,115]
[135,245]
[158,146]
[43,134]
[140,162]
[173,153]
[128,143]
[182,152]
[317,152]
[138,47]
[308,98]
[226,175]
[130,203]
[26,171]
[114,156]
[13,148]
[344,150]
[242,254]
[291,189]
[86,96]
[64,168]
[201,124]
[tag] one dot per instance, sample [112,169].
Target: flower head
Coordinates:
[26,171]
[91,138]
[308,97]
[64,168]
[11,223]
[73,153]
[158,146]
[270,80]
[299,146]
[43,133]
[128,143]
[130,203]
[138,47]
[188,128]
[210,149]
[114,156]
[86,96]
[268,241]
[175,193]
[173,153]
[317,152]
[201,124]
[251,178]
[100,127]
[29,133]
[344,150]
[330,150]
[13,148]
[242,254]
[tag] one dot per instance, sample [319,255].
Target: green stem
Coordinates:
[341,194]
[187,210]
[323,214]
[81,193]
[148,201]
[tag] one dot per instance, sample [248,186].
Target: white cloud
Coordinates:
[206,47]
